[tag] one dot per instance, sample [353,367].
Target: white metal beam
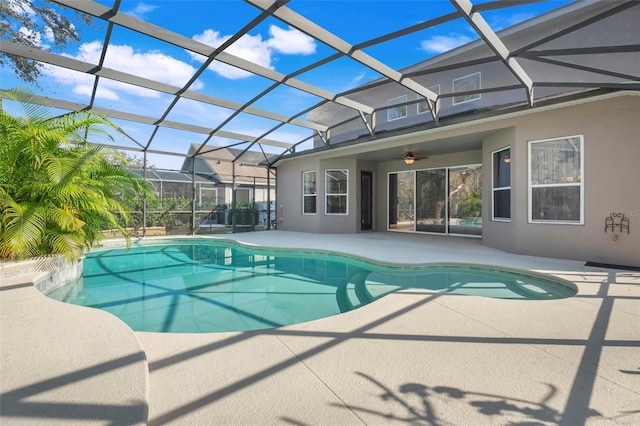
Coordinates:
[319,33]
[465,7]
[137,118]
[132,23]
[89,68]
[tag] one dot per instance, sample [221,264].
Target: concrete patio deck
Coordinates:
[412,357]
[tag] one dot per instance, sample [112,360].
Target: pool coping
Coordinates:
[417,273]
[66,363]
[170,385]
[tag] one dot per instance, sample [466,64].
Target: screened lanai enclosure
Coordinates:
[186,203]
[212,96]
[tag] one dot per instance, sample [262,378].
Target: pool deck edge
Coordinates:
[65,364]
[413,357]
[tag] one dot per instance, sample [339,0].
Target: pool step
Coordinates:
[354,294]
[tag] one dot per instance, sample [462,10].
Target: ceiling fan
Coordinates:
[410,158]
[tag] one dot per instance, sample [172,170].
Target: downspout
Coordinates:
[193,195]
[253,206]
[233,197]
[144,198]
[268,198]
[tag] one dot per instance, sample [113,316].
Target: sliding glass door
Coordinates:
[465,200]
[401,206]
[445,201]
[431,197]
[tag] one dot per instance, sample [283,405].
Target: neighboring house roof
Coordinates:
[220,163]
[171,176]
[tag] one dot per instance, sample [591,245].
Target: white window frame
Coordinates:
[202,189]
[499,188]
[247,190]
[399,100]
[314,194]
[580,183]
[473,97]
[327,193]
[435,89]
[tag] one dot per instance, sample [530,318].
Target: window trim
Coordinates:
[474,97]
[214,190]
[315,194]
[394,101]
[531,186]
[327,193]
[435,89]
[500,188]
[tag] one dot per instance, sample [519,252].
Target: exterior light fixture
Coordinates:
[409,159]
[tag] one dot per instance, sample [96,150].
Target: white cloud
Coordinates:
[141,10]
[48,34]
[254,49]
[153,65]
[34,36]
[103,92]
[444,43]
[355,81]
[291,41]
[251,48]
[19,7]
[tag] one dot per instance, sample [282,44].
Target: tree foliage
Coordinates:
[36,23]
[57,192]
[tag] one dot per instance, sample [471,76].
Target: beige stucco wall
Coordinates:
[289,197]
[611,131]
[500,234]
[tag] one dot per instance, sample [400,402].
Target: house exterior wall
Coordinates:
[289,197]
[439,73]
[501,233]
[607,125]
[610,127]
[611,183]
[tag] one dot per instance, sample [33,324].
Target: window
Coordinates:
[555,180]
[335,189]
[502,184]
[422,106]
[208,198]
[466,84]
[309,192]
[398,111]
[243,195]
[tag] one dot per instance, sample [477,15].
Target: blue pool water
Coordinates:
[202,285]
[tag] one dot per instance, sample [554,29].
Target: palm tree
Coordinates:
[57,192]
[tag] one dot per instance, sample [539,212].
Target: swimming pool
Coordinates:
[205,285]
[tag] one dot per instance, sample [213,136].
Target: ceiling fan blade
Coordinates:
[414,157]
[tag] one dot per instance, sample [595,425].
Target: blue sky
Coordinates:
[272,44]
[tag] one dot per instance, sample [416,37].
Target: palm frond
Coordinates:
[30,109]
[63,244]
[56,190]
[23,226]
